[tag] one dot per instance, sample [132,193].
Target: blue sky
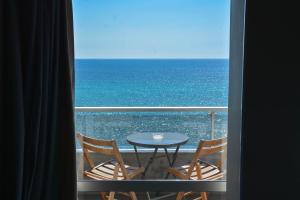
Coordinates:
[151,28]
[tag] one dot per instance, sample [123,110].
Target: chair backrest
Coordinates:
[206,148]
[104,147]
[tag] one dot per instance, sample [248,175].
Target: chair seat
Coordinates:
[208,171]
[105,171]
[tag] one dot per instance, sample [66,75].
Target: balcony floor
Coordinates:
[156,171]
[142,196]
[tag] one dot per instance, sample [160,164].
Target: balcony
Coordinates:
[118,122]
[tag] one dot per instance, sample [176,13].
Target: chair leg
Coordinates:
[103,196]
[111,196]
[180,196]
[132,195]
[203,195]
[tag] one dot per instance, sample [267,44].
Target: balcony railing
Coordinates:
[210,110]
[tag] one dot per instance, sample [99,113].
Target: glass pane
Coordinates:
[151,94]
[118,125]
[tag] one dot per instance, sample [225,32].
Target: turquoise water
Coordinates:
[161,82]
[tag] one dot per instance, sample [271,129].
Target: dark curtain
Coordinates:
[271,111]
[36,100]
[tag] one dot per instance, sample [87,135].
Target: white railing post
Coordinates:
[212,116]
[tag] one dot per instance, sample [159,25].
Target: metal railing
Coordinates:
[210,110]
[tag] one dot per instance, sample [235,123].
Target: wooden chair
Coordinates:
[202,170]
[113,169]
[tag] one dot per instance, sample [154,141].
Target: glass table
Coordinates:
[156,140]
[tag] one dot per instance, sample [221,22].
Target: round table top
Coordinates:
[146,139]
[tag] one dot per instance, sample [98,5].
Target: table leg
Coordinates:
[168,157]
[174,159]
[175,156]
[137,156]
[171,163]
[147,167]
[150,161]
[148,164]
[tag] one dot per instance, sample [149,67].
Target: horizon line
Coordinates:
[151,58]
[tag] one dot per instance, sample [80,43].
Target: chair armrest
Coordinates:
[177,173]
[136,172]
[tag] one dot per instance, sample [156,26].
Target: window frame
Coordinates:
[232,185]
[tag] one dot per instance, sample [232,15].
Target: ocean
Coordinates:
[151,82]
